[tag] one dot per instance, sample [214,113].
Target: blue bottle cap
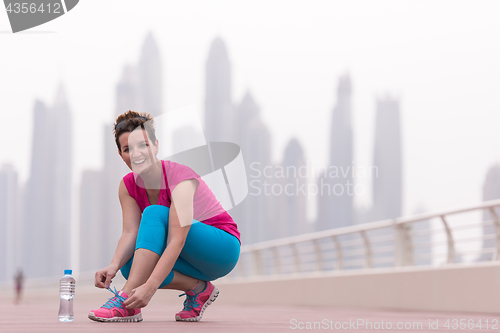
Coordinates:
[68,272]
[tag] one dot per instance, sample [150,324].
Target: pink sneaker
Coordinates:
[114,310]
[195,304]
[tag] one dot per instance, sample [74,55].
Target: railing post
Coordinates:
[277,263]
[368,251]
[338,249]
[451,244]
[319,256]
[237,269]
[243,268]
[403,245]
[496,224]
[257,262]
[296,258]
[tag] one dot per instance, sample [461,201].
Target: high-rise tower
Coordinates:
[219,117]
[9,222]
[149,73]
[253,214]
[335,198]
[37,204]
[293,202]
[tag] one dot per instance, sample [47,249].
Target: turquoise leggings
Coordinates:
[208,253]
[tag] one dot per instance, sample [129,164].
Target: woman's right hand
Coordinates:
[103,277]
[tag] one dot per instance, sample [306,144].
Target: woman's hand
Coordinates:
[103,277]
[140,296]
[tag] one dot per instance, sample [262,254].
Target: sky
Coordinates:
[440,59]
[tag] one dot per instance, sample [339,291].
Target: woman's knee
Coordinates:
[153,229]
[155,214]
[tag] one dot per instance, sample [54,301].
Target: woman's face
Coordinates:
[137,150]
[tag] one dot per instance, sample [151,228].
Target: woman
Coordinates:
[163,245]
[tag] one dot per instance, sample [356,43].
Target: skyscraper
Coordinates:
[94,232]
[149,72]
[293,203]
[335,199]
[47,201]
[387,182]
[241,125]
[219,112]
[37,204]
[387,179]
[9,222]
[253,215]
[127,92]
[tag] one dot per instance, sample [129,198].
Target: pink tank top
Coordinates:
[206,207]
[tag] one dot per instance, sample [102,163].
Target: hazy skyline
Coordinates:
[441,64]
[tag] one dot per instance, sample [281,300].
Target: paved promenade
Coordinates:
[38,313]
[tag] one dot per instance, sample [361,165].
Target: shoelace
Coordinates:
[190,302]
[115,301]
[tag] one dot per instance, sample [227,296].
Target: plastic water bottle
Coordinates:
[66,294]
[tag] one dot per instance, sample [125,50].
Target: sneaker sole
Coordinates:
[137,318]
[211,299]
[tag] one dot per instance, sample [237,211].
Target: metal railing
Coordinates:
[425,239]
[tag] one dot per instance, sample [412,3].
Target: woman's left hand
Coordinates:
[140,296]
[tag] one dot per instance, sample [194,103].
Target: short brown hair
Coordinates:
[129,121]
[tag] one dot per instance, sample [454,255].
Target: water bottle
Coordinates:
[66,294]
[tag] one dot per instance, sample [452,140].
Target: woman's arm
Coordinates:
[126,245]
[179,222]
[131,221]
